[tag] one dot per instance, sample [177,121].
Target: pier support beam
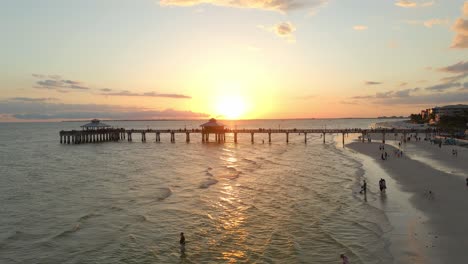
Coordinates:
[343,139]
[235,137]
[324,137]
[172,137]
[305,138]
[187,137]
[287,137]
[269,137]
[252,137]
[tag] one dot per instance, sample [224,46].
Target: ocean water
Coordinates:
[236,203]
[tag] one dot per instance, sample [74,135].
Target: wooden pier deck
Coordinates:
[121,134]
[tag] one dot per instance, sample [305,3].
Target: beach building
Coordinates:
[449,110]
[95,125]
[434,114]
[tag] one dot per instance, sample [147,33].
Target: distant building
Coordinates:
[95,125]
[434,114]
[449,110]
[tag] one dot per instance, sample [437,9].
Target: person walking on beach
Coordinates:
[344,258]
[364,187]
[182,243]
[466,181]
[386,155]
[382,185]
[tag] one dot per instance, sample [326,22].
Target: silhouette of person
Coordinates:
[182,243]
[364,187]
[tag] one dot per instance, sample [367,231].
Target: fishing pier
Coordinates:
[96,132]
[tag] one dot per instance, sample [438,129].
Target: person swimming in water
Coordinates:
[182,243]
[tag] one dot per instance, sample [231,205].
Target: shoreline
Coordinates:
[433,228]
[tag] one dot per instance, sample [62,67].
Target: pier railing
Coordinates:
[119,134]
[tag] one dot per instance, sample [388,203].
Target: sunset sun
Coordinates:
[231,107]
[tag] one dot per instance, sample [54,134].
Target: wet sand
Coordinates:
[446,209]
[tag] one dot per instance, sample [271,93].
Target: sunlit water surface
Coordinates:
[236,203]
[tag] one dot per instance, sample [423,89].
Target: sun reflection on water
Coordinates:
[231,223]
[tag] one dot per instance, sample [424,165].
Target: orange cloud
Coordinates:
[276,5]
[461,29]
[411,4]
[360,27]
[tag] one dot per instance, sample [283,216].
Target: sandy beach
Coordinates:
[423,168]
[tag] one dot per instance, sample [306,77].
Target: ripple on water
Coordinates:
[207,183]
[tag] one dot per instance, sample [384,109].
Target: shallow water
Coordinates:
[128,202]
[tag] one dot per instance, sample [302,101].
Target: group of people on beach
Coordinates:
[382,186]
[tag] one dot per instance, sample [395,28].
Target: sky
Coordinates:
[185,59]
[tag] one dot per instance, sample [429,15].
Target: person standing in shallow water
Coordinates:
[364,187]
[182,243]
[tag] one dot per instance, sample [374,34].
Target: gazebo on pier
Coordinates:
[213,127]
[95,125]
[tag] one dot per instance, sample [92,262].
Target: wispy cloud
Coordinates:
[460,67]
[283,30]
[458,70]
[273,5]
[442,87]
[147,94]
[35,110]
[29,99]
[406,3]
[413,4]
[430,23]
[360,27]
[406,97]
[372,83]
[55,82]
[306,97]
[388,94]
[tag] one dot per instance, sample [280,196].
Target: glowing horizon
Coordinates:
[243,60]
